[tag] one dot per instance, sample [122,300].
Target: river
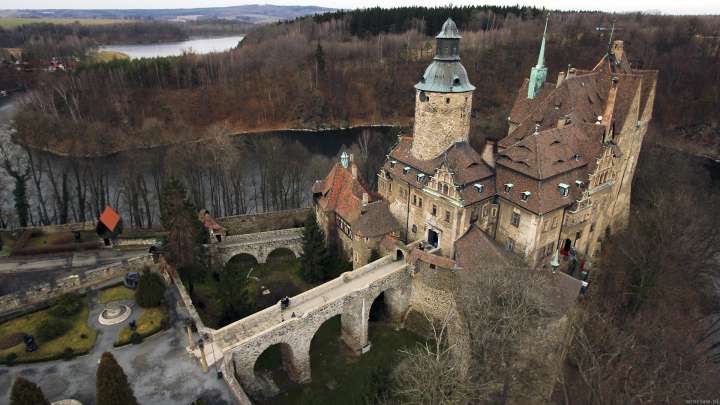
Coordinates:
[289,162]
[195,45]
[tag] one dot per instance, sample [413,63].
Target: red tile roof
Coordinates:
[342,194]
[110,218]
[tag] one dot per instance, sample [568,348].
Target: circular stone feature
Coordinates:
[114,314]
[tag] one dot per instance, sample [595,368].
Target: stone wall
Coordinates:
[441,119]
[267,221]
[259,245]
[92,279]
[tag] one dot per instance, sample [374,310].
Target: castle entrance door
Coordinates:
[433,237]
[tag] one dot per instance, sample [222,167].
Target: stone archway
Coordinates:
[242,260]
[280,255]
[295,358]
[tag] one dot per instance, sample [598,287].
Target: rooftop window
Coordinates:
[393,163]
[479,187]
[406,169]
[579,183]
[420,177]
[564,189]
[525,195]
[508,187]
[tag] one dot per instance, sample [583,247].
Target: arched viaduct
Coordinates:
[351,295]
[258,245]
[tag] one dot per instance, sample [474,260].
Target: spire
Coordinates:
[446,74]
[541,55]
[612,31]
[538,73]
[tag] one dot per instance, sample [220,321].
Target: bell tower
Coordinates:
[443,99]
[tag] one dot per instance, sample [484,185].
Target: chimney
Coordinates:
[488,153]
[571,73]
[561,78]
[617,49]
[353,170]
[365,199]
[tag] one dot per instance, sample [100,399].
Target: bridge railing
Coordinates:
[259,236]
[257,322]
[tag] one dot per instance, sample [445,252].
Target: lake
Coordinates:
[196,45]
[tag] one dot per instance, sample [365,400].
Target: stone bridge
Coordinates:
[258,245]
[351,295]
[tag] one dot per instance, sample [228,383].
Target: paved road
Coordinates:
[159,369]
[23,272]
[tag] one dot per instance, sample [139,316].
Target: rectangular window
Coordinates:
[510,244]
[434,210]
[447,216]
[546,225]
[420,202]
[515,219]
[578,235]
[485,211]
[554,222]
[592,227]
[414,199]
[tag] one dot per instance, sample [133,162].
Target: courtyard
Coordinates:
[159,369]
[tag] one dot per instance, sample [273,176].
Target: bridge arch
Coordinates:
[242,259]
[280,254]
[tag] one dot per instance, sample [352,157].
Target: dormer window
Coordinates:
[406,169]
[479,187]
[564,189]
[508,187]
[525,195]
[393,163]
[420,177]
[579,183]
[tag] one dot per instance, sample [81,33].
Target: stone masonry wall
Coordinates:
[267,221]
[91,279]
[440,121]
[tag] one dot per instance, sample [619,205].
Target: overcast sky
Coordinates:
[664,6]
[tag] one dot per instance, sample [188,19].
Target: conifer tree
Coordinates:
[315,259]
[112,386]
[185,231]
[26,392]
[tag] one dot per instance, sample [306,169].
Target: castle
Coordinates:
[560,180]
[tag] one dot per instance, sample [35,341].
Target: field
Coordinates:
[15,22]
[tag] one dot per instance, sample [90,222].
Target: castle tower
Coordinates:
[538,74]
[443,99]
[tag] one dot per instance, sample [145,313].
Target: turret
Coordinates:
[538,74]
[443,99]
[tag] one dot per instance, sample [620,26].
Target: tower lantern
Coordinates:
[443,99]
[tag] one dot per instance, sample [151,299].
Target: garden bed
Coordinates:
[79,339]
[117,293]
[150,322]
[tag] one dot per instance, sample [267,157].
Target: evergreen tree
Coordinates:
[315,259]
[112,387]
[320,58]
[25,392]
[21,202]
[150,290]
[186,233]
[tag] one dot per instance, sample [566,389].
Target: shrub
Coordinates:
[52,328]
[10,359]
[135,338]
[68,353]
[67,305]
[25,392]
[150,290]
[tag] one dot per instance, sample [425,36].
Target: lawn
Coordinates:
[80,338]
[116,293]
[15,22]
[339,377]
[150,322]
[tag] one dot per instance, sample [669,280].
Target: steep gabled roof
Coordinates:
[476,250]
[342,193]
